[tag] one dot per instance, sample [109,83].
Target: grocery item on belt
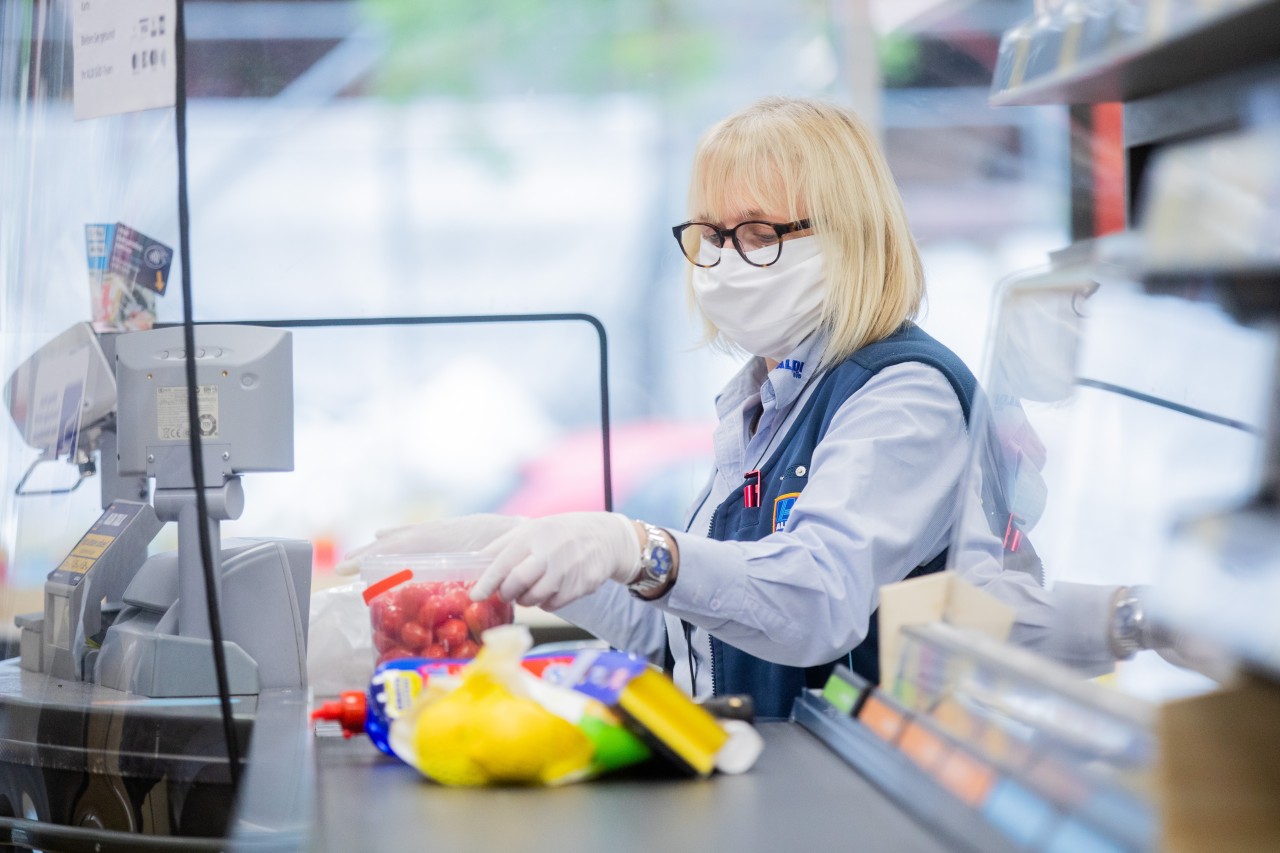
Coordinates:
[420,605]
[394,686]
[658,712]
[496,723]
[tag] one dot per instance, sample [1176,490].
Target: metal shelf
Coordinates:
[1230,40]
[1248,294]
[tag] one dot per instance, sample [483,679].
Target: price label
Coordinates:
[123,56]
[172,423]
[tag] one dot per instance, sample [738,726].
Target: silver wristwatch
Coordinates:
[657,565]
[1128,624]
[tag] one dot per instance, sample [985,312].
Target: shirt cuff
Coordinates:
[710,583]
[621,620]
[1082,621]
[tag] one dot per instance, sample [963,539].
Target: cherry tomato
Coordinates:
[479,617]
[452,633]
[467,649]
[414,636]
[388,619]
[454,602]
[435,650]
[429,614]
[384,642]
[410,596]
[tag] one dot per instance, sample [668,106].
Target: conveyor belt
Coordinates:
[800,796]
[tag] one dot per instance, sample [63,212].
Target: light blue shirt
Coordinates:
[804,595]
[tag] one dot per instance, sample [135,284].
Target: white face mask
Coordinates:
[769,310]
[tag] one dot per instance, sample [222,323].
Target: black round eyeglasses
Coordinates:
[701,242]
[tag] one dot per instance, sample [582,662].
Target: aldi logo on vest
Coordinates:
[796,367]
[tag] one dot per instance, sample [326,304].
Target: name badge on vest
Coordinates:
[782,509]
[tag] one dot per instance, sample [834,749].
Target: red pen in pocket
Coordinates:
[751,491]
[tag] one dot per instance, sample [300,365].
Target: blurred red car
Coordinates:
[657,466]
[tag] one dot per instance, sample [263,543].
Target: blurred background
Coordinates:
[370,158]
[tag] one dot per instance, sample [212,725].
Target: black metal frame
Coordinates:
[472,319]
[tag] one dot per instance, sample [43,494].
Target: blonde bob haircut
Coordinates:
[817,160]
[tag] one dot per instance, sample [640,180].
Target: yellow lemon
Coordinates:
[515,739]
[481,732]
[440,738]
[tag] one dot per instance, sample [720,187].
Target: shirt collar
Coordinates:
[782,385]
[742,385]
[789,378]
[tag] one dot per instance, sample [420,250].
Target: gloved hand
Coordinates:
[552,561]
[1188,652]
[442,535]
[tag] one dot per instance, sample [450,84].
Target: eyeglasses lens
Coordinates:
[761,241]
[700,244]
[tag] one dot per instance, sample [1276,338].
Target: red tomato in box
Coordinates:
[414,636]
[435,650]
[453,602]
[387,618]
[480,616]
[429,614]
[384,642]
[410,596]
[468,649]
[453,633]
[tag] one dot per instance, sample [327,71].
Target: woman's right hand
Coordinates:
[442,535]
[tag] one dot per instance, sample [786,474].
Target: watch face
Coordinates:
[660,566]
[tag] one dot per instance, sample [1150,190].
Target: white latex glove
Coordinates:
[549,562]
[1181,648]
[1189,652]
[442,535]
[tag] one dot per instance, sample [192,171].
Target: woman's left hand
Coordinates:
[549,562]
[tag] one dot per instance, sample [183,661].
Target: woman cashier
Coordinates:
[841,444]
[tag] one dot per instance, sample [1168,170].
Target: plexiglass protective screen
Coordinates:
[1112,415]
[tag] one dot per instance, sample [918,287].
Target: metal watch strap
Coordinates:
[657,564]
[1127,624]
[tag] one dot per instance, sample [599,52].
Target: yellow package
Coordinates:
[488,726]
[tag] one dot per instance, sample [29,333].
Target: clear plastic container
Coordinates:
[420,605]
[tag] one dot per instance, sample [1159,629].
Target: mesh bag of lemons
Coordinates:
[497,724]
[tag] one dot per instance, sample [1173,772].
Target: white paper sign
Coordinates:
[123,56]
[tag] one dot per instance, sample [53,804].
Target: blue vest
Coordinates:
[774,686]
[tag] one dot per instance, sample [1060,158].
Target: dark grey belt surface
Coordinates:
[799,796]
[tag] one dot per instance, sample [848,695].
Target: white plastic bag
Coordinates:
[340,642]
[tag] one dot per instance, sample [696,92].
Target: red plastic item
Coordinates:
[349,710]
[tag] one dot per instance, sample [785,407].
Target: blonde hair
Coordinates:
[810,155]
